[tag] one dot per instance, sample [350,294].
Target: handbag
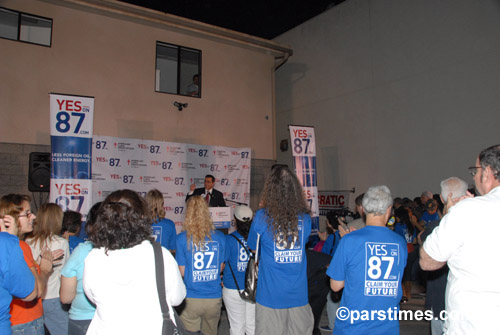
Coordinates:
[169,327]
[251,275]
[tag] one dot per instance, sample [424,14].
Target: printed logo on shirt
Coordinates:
[157,234]
[381,270]
[288,250]
[242,256]
[205,261]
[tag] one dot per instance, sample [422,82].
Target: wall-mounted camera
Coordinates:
[180,105]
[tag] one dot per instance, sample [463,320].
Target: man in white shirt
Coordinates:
[467,240]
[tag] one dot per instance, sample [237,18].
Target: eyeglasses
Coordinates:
[473,170]
[27,214]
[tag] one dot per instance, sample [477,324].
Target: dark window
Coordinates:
[178,70]
[25,27]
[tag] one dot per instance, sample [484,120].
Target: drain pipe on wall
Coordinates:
[281,60]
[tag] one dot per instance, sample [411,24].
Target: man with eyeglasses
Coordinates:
[467,239]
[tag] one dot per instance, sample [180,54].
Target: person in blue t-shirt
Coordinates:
[163,229]
[431,212]
[200,254]
[16,279]
[283,227]
[71,226]
[369,265]
[241,314]
[71,292]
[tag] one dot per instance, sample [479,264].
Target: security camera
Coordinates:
[180,105]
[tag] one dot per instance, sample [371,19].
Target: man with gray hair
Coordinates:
[472,291]
[369,263]
[453,188]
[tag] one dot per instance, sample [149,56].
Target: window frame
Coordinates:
[19,19]
[179,49]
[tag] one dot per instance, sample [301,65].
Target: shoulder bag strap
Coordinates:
[160,283]
[333,244]
[237,239]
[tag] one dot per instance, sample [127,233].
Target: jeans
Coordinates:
[331,310]
[78,327]
[56,316]
[34,327]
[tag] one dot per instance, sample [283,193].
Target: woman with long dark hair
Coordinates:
[283,226]
[200,254]
[241,314]
[119,274]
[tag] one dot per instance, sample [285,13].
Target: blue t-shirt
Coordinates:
[426,217]
[16,279]
[402,230]
[73,242]
[165,233]
[371,263]
[282,271]
[237,257]
[81,307]
[331,244]
[202,265]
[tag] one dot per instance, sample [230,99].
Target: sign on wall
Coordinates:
[142,165]
[71,128]
[304,153]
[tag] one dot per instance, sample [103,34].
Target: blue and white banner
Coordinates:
[170,167]
[304,153]
[71,128]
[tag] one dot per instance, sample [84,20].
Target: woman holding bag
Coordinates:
[241,314]
[284,225]
[119,274]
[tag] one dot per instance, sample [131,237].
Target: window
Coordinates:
[178,70]
[25,27]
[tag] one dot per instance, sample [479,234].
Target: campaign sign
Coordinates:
[304,152]
[206,261]
[71,128]
[381,269]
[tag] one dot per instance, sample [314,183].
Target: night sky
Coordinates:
[266,19]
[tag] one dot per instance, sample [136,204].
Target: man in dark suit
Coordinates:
[213,197]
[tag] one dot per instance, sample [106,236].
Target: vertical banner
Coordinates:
[71,128]
[304,153]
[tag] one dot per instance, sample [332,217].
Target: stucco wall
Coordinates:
[403,93]
[113,60]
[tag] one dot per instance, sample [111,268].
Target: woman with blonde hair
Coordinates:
[45,234]
[163,228]
[201,255]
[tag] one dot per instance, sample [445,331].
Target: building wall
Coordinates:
[403,93]
[113,60]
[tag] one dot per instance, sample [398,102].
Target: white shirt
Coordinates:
[122,284]
[54,282]
[467,238]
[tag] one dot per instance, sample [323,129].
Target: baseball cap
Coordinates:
[431,204]
[243,213]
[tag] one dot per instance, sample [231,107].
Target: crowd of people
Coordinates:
[52,280]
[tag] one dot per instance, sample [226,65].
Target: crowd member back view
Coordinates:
[119,273]
[283,227]
[200,254]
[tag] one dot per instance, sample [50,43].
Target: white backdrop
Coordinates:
[142,165]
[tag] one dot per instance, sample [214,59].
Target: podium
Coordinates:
[221,217]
